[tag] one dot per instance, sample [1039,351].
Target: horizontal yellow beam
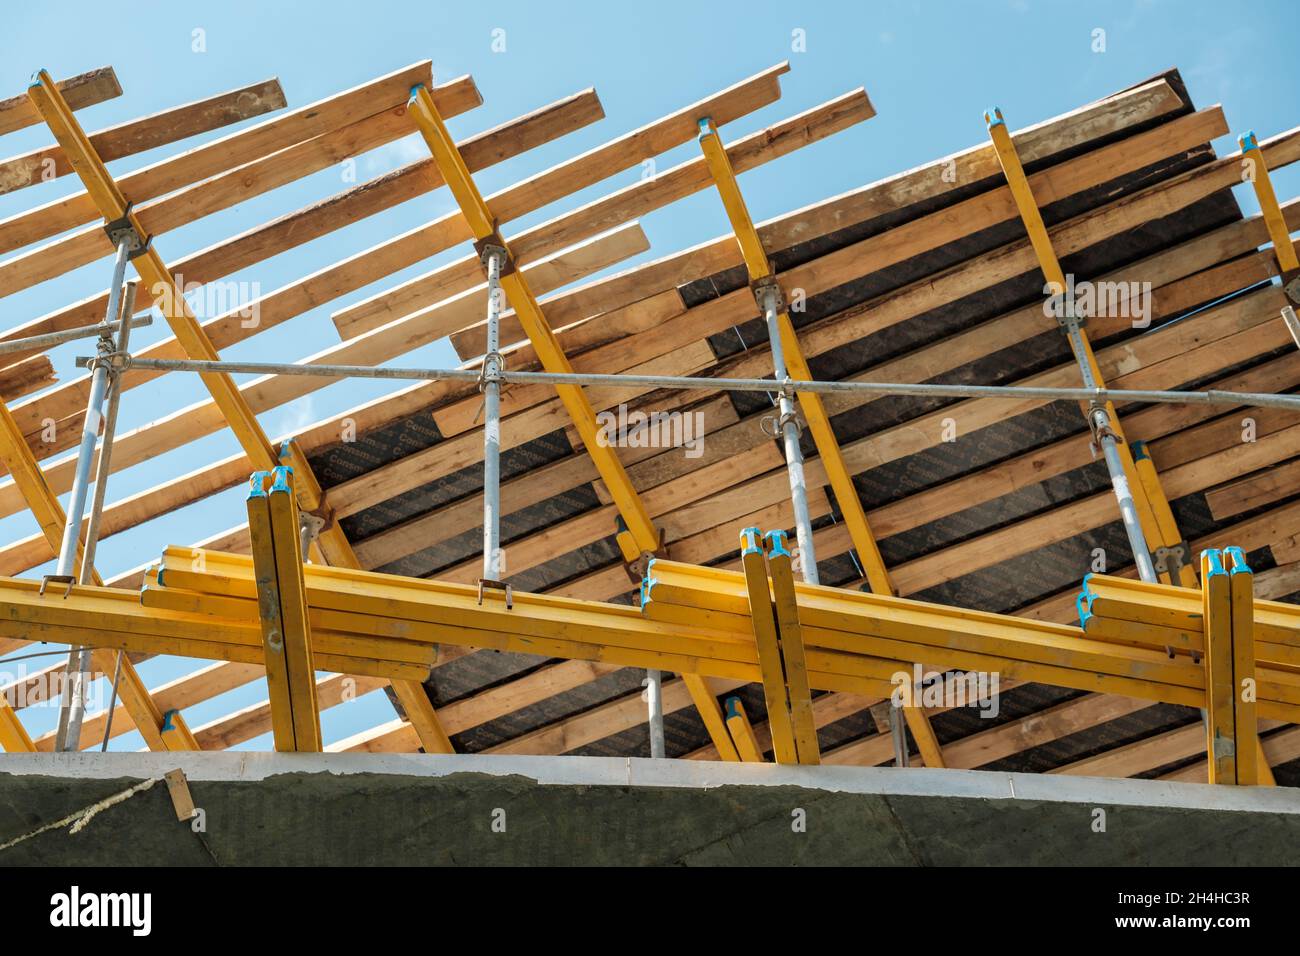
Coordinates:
[851,638]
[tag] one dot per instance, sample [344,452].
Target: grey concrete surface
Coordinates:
[372,809]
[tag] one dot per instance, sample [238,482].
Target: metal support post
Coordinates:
[1105,438]
[788,428]
[77,675]
[898,735]
[655,704]
[103,466]
[493,259]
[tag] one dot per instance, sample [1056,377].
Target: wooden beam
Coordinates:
[81,91]
[409,392]
[768,642]
[234,149]
[793,660]
[288,165]
[1245,737]
[150,132]
[564,179]
[742,732]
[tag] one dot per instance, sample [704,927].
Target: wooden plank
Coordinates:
[80,91]
[149,132]
[562,337]
[1254,491]
[281,234]
[234,149]
[894,194]
[1225,242]
[564,179]
[23,378]
[292,163]
[635,200]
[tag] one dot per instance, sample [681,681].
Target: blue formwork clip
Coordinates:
[647,583]
[257,484]
[280,479]
[1237,559]
[1214,558]
[1247,141]
[1084,602]
[751,539]
[733,707]
[776,543]
[994,117]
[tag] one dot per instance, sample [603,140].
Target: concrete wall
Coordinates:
[366,809]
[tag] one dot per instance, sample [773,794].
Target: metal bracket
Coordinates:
[1170,560]
[638,569]
[494,244]
[123,230]
[761,287]
[1068,319]
[310,525]
[484,378]
[773,426]
[496,586]
[1291,287]
[65,579]
[1099,424]
[1224,746]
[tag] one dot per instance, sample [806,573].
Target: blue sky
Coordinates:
[930,69]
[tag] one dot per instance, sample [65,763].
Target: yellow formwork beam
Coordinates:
[889,631]
[848,635]
[282,610]
[766,639]
[1220,719]
[44,505]
[742,732]
[420,712]
[1175,555]
[715,722]
[1241,587]
[113,206]
[814,411]
[640,536]
[14,737]
[926,741]
[793,658]
[331,544]
[1154,513]
[1258,175]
